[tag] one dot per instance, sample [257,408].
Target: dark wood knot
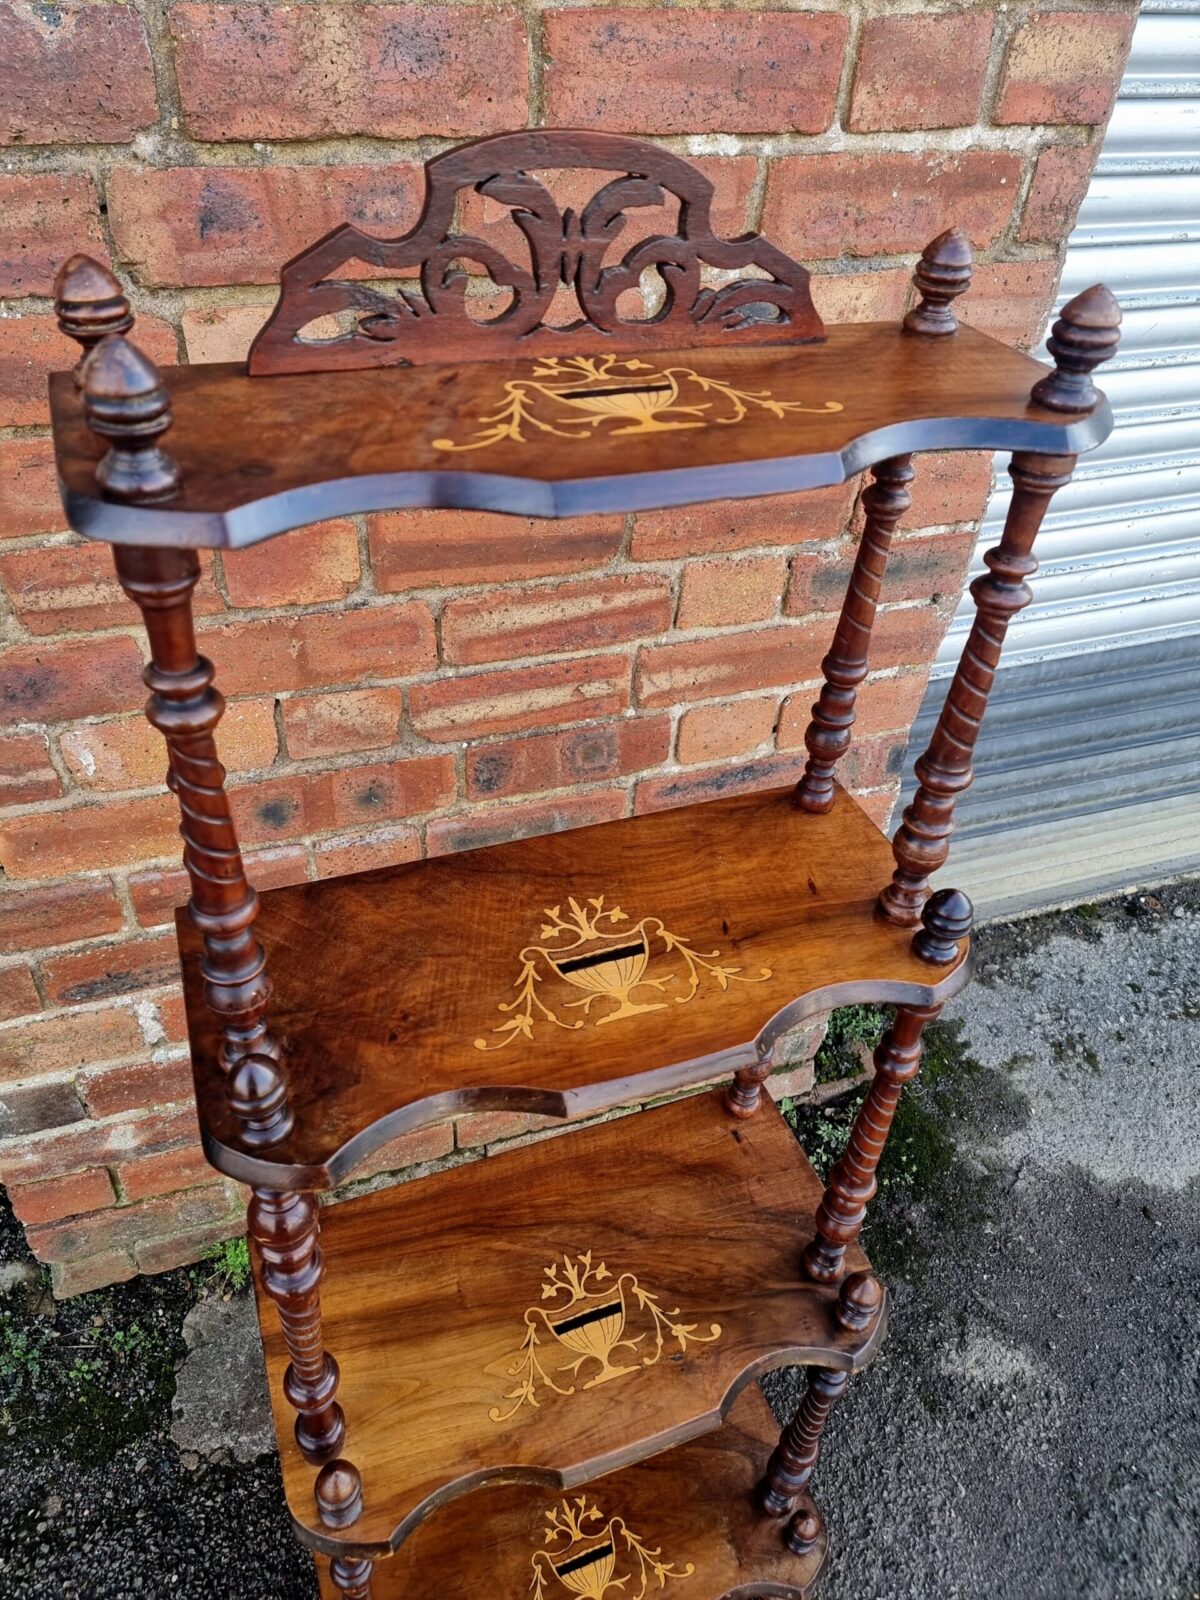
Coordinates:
[947,917]
[803,1531]
[124,400]
[338,1493]
[942,274]
[89,303]
[860,1302]
[1085,333]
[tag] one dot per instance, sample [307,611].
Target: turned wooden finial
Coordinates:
[946,917]
[124,400]
[339,1494]
[89,303]
[803,1531]
[860,1302]
[259,1098]
[943,273]
[1086,332]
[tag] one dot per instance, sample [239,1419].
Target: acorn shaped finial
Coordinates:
[946,917]
[259,1099]
[803,1531]
[124,401]
[860,1302]
[1085,333]
[338,1492]
[89,303]
[942,274]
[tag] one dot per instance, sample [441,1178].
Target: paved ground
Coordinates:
[1031,1429]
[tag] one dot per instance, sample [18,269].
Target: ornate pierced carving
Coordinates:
[767,300]
[795,1456]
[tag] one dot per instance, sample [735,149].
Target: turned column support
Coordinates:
[795,1456]
[285,1227]
[828,735]
[852,1181]
[352,1577]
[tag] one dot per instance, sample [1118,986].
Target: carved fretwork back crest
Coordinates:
[753,292]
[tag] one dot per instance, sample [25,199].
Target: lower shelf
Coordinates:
[690,1511]
[563,1312]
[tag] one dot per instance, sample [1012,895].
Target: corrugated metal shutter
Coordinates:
[1071,732]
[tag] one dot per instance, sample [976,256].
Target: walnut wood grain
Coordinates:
[383,982]
[563,248]
[257,457]
[694,1504]
[432,1289]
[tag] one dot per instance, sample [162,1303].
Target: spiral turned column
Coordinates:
[795,1456]
[828,735]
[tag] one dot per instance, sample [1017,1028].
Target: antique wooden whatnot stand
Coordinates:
[595,1306]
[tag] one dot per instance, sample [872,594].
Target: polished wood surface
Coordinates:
[694,1506]
[476,1316]
[560,975]
[257,456]
[557,248]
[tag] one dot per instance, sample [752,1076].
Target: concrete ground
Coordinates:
[1031,1428]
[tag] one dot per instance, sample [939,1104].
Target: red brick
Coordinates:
[873,202]
[18,994]
[62,587]
[884,705]
[193,1244]
[511,699]
[127,753]
[80,976]
[505,624]
[35,1107]
[57,914]
[919,568]
[740,524]
[693,71]
[89,838]
[319,563]
[60,680]
[94,1144]
[364,852]
[323,647]
[44,218]
[480,1128]
[216,225]
[718,594]
[861,296]
[1060,181]
[165,1172]
[32,347]
[390,71]
[55,1198]
[74,74]
[31,503]
[920,71]
[65,1042]
[221,333]
[905,635]
[113,1091]
[873,763]
[559,760]
[156,893]
[716,732]
[730,663]
[285,807]
[437,549]
[951,487]
[500,824]
[336,723]
[125,1226]
[1064,66]
[70,1278]
[714,783]
[410,1150]
[26,774]
[1011,300]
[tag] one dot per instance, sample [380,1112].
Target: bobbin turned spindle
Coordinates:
[124,401]
[1086,332]
[352,1577]
[942,274]
[947,917]
[89,303]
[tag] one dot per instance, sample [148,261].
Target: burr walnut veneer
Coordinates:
[531,1374]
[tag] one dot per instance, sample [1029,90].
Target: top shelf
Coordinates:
[562,435]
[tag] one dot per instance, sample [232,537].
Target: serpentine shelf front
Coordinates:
[562,976]
[561,435]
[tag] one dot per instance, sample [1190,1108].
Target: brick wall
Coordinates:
[529,676]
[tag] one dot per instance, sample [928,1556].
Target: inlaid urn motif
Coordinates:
[597,950]
[589,1318]
[589,1556]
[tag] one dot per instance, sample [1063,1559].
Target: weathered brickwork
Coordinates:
[515,676]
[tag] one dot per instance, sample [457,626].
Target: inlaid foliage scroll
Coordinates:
[709,290]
